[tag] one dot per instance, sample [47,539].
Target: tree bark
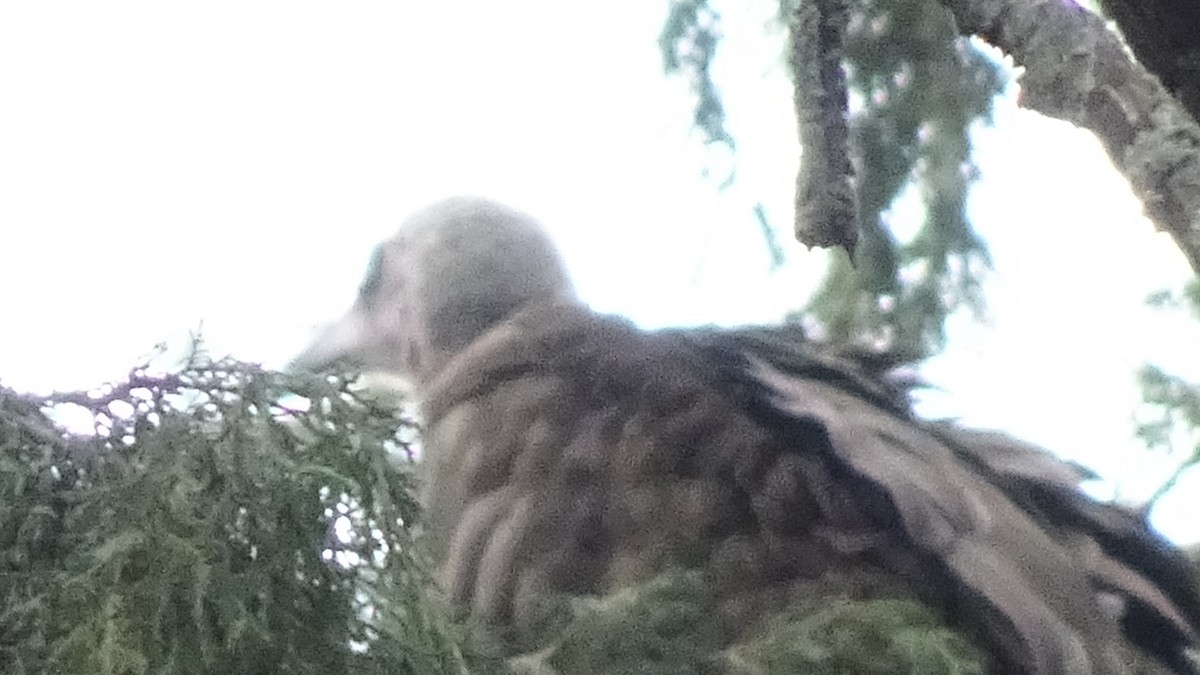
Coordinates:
[1076,69]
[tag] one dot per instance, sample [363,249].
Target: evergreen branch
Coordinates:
[688,45]
[24,412]
[1176,404]
[137,379]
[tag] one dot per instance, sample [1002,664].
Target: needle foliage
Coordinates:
[224,519]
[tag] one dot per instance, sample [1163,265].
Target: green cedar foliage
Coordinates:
[224,519]
[1170,419]
[661,628]
[878,637]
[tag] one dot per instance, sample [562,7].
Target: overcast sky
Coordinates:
[233,163]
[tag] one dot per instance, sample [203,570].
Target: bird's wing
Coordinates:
[1007,518]
[575,453]
[1126,556]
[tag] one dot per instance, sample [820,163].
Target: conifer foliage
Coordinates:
[223,519]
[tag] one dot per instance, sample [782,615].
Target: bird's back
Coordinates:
[572,453]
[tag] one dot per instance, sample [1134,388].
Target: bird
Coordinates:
[569,452]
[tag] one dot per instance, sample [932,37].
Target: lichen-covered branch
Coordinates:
[1077,70]
[825,205]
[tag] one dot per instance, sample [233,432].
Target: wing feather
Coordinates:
[765,461]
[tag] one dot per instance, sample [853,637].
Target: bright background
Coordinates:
[167,166]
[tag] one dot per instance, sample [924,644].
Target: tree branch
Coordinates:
[825,210]
[1077,70]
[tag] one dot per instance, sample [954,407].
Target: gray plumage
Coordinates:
[570,452]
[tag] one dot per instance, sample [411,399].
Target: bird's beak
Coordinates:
[344,339]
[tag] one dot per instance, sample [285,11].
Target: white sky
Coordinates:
[163,164]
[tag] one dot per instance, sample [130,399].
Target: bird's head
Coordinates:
[455,269]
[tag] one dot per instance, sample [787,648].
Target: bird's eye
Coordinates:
[369,289]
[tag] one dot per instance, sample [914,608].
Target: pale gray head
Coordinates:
[455,269]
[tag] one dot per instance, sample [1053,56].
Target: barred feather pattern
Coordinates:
[572,453]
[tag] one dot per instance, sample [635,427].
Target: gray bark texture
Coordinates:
[1078,70]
